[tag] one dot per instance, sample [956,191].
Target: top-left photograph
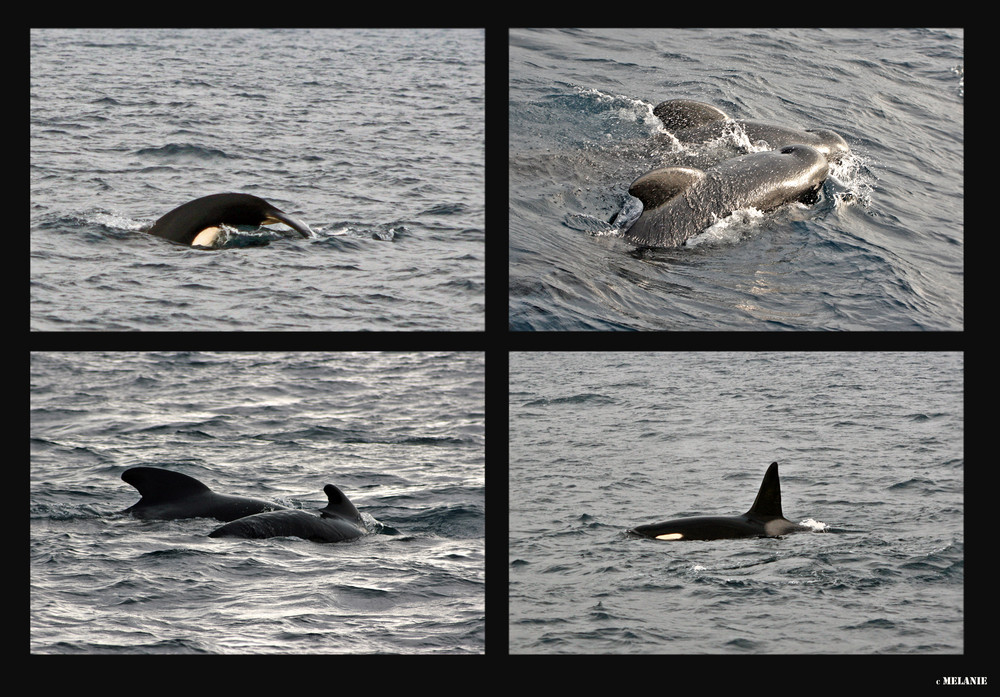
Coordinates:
[257,180]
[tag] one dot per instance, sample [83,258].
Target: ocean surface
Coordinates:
[373,137]
[882,250]
[402,434]
[870,449]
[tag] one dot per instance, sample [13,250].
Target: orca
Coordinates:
[168,495]
[764,519]
[680,202]
[197,222]
[337,522]
[696,122]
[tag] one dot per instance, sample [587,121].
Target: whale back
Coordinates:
[695,122]
[169,495]
[764,519]
[291,523]
[338,521]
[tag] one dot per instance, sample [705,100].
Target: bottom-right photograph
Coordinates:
[722,502]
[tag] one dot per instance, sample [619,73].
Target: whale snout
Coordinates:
[805,170]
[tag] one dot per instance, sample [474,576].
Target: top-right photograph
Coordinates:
[736,179]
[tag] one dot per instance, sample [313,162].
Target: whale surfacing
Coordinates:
[680,202]
[197,222]
[764,519]
[695,122]
[337,522]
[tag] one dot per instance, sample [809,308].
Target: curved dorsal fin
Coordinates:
[158,485]
[339,505]
[659,186]
[678,114]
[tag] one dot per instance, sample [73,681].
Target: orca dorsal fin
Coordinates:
[768,501]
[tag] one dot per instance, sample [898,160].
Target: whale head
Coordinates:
[831,144]
[802,176]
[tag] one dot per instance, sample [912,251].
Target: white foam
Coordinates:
[815,525]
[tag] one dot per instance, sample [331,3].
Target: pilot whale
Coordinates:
[696,122]
[168,495]
[339,520]
[680,202]
[764,519]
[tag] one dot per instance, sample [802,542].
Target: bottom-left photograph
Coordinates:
[257,502]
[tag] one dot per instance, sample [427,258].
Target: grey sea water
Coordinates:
[882,250]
